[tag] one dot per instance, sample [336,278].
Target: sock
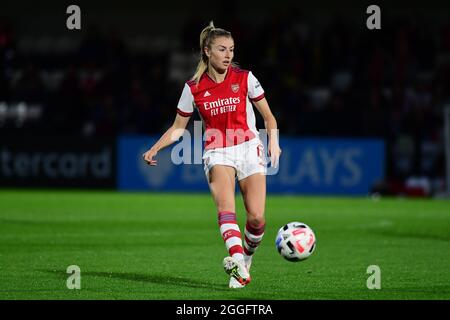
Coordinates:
[253,237]
[231,234]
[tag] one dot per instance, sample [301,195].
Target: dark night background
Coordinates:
[325,74]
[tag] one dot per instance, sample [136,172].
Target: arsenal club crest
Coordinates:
[235,87]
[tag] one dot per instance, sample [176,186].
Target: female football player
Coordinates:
[223,95]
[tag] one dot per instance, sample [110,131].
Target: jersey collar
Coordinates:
[212,80]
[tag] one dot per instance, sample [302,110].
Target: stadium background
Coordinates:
[325,74]
[78,108]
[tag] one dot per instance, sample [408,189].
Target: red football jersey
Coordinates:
[225,108]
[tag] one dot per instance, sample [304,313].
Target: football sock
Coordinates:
[252,238]
[231,234]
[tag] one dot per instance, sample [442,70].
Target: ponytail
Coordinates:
[207,36]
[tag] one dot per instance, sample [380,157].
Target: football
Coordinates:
[295,241]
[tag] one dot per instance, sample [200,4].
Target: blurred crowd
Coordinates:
[334,79]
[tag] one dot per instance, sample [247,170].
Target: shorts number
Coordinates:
[259,151]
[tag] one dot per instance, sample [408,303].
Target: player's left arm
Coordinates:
[272,130]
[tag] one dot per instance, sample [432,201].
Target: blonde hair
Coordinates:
[207,36]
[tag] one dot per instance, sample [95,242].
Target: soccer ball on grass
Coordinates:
[295,241]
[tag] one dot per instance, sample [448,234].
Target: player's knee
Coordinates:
[256,219]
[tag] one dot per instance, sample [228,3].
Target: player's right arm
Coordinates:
[170,136]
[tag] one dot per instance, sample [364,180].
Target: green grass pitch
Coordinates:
[167,246]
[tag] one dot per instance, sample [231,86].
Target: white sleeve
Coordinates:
[255,91]
[186,102]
